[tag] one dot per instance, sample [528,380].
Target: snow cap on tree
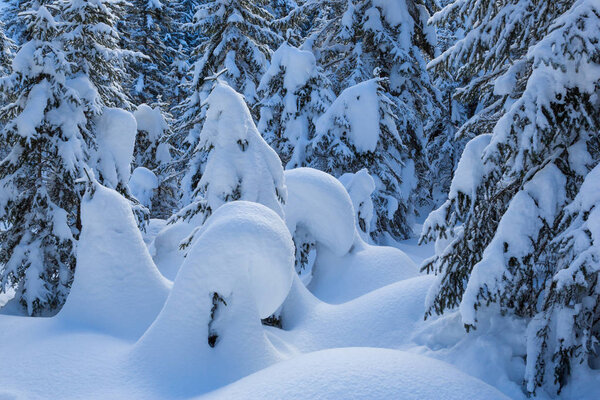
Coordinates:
[294,93]
[232,160]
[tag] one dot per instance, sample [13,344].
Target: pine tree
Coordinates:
[231,161]
[39,200]
[360,131]
[511,187]
[294,94]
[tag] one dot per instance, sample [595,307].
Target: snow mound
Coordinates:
[360,187]
[239,269]
[116,288]
[364,269]
[142,185]
[359,373]
[167,253]
[151,121]
[116,130]
[358,106]
[319,203]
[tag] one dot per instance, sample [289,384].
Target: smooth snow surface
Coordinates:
[116,130]
[359,373]
[142,184]
[319,203]
[117,288]
[245,255]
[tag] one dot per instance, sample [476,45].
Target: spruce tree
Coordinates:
[92,44]
[294,93]
[496,231]
[237,38]
[231,161]
[39,199]
[360,131]
[395,41]
[150,26]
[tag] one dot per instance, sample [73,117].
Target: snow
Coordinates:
[319,203]
[238,160]
[34,111]
[116,130]
[470,168]
[117,288]
[245,255]
[360,187]
[300,66]
[165,247]
[151,121]
[142,184]
[359,373]
[360,106]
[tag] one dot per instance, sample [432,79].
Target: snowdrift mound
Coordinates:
[142,184]
[318,203]
[364,269]
[117,288]
[359,373]
[116,132]
[320,212]
[239,269]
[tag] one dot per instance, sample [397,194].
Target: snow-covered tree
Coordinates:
[495,231]
[231,161]
[151,31]
[15,26]
[564,333]
[153,151]
[390,39]
[236,45]
[39,199]
[238,38]
[7,48]
[92,45]
[294,94]
[444,144]
[359,131]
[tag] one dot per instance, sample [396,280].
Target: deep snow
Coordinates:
[356,332]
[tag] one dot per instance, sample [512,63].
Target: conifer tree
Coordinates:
[231,161]
[150,26]
[7,49]
[39,200]
[393,39]
[360,131]
[92,44]
[235,45]
[238,39]
[294,93]
[495,232]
